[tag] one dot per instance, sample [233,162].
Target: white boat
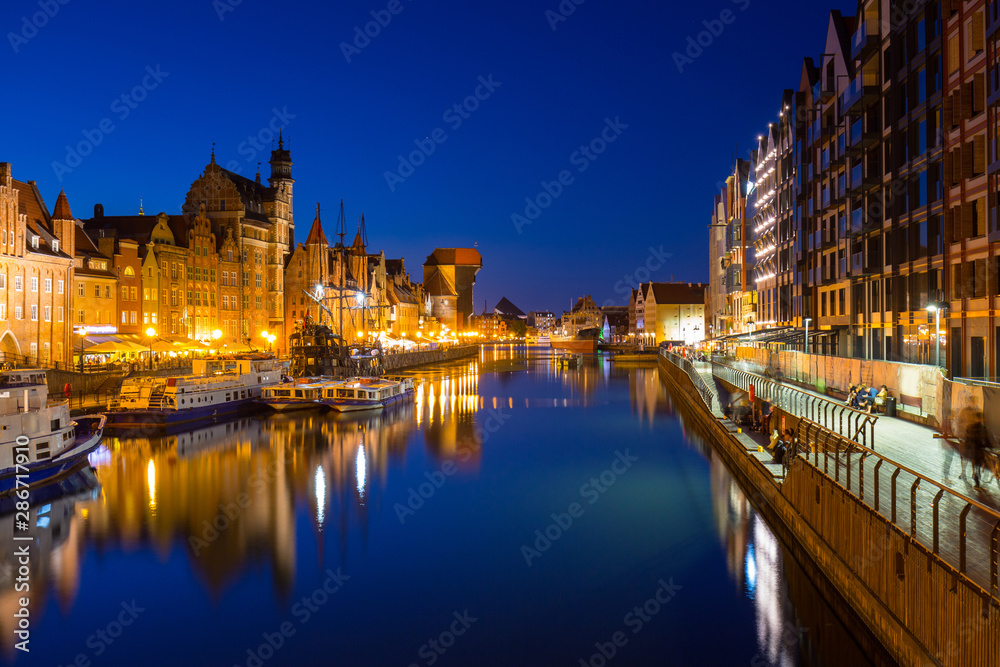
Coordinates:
[304,394]
[216,388]
[538,341]
[38,440]
[366,393]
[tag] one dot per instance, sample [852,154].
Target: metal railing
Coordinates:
[967,523]
[699,382]
[855,425]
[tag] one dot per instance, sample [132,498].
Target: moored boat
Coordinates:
[366,393]
[289,396]
[38,440]
[538,341]
[216,388]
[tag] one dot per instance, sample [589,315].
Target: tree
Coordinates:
[518,328]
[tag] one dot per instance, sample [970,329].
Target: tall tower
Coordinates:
[281,180]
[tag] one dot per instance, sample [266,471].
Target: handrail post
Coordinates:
[961,537]
[913,508]
[993,557]
[937,501]
[893,488]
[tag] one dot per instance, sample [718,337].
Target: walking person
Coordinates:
[976,442]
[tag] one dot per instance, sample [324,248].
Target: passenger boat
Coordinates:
[218,387]
[578,343]
[38,440]
[366,393]
[300,395]
[538,341]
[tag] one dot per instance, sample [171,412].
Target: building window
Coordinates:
[124,317]
[3,281]
[225,302]
[257,302]
[55,245]
[17,283]
[190,273]
[18,313]
[133,293]
[47,312]
[79,289]
[48,285]
[34,312]
[246,279]
[124,294]
[81,317]
[46,352]
[34,283]
[257,280]
[97,291]
[129,272]
[60,313]
[59,351]
[59,287]
[34,242]
[34,350]
[107,291]
[133,317]
[212,272]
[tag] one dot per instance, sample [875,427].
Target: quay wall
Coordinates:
[920,609]
[403,360]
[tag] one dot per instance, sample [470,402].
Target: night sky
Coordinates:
[230,71]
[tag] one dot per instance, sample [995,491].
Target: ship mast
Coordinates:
[341,248]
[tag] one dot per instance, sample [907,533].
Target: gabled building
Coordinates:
[36,273]
[584,315]
[674,312]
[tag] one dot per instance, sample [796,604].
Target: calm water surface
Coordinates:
[515,515]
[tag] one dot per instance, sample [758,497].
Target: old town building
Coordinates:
[449,277]
[36,273]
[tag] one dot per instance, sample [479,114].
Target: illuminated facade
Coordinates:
[36,273]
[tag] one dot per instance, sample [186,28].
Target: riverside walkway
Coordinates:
[916,481]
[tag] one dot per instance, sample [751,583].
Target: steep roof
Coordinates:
[31,204]
[62,211]
[584,302]
[505,307]
[454,257]
[679,293]
[252,193]
[316,235]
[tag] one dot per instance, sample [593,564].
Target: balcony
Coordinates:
[865,41]
[823,91]
[860,92]
[861,268]
[992,17]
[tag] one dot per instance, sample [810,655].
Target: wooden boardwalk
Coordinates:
[915,447]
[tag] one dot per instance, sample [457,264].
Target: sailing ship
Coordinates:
[38,441]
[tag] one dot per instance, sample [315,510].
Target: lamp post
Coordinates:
[936,309]
[806,346]
[150,334]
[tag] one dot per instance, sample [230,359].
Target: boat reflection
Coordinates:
[54,554]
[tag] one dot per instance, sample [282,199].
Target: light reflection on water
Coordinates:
[253,498]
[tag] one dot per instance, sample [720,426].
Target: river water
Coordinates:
[515,514]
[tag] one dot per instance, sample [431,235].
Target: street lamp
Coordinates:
[217,334]
[936,309]
[151,334]
[806,346]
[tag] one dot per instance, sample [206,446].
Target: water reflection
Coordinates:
[238,500]
[57,511]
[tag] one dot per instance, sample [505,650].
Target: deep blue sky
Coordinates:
[653,186]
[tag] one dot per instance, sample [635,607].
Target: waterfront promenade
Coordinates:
[909,502]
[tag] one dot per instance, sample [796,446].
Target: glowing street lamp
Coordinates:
[150,334]
[217,334]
